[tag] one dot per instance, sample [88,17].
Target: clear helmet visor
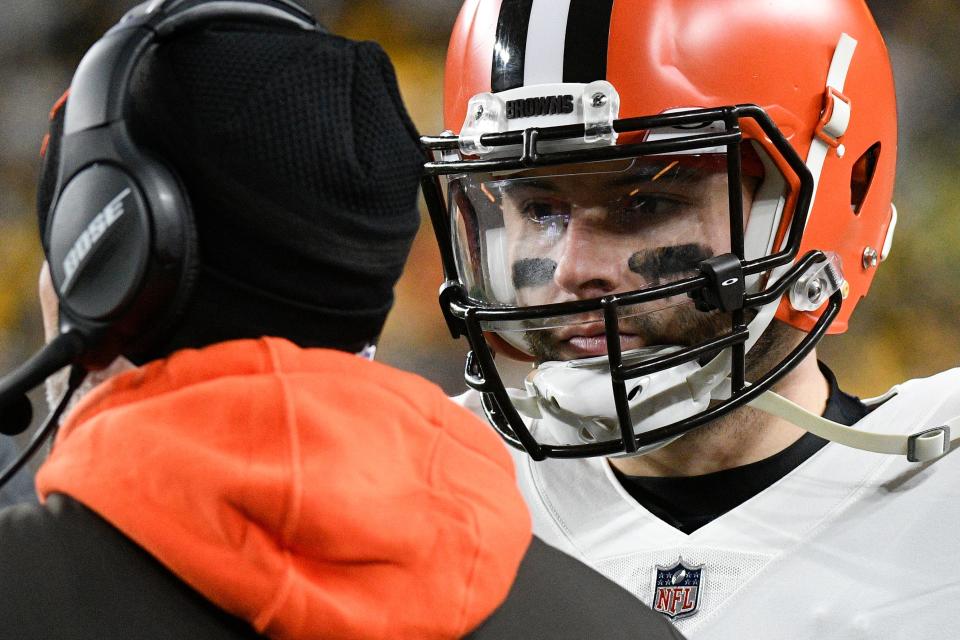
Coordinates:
[568,233]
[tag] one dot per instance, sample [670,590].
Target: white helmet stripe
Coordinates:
[543,63]
[836,78]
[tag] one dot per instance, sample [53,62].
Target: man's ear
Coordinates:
[49,304]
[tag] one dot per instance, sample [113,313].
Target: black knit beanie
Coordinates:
[302,166]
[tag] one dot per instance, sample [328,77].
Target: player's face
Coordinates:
[587,235]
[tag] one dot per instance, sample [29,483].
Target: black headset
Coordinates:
[120,237]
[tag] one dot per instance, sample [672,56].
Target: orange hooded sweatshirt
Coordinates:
[309,492]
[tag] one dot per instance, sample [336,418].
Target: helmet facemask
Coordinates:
[628,273]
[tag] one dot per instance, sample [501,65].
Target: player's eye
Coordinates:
[547,211]
[651,204]
[640,210]
[547,216]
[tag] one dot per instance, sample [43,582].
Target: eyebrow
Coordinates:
[664,170]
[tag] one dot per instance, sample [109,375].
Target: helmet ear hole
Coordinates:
[862,177]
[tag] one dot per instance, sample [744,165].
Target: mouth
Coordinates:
[591,340]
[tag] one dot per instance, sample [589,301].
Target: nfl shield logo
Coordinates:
[677,590]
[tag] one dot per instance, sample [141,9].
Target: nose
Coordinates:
[588,266]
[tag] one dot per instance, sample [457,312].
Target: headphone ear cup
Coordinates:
[174,261]
[98,245]
[122,249]
[177,260]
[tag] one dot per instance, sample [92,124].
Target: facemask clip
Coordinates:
[486,113]
[815,287]
[601,107]
[726,287]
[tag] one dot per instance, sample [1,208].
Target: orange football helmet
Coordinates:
[569,117]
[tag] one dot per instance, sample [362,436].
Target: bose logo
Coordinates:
[545,106]
[90,236]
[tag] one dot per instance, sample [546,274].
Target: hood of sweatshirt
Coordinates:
[309,492]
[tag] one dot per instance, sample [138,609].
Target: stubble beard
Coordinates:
[678,326]
[745,423]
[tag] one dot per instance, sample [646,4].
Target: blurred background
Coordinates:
[908,327]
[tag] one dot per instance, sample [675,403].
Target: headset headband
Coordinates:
[100,85]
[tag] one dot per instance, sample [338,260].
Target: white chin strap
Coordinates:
[567,403]
[918,447]
[570,403]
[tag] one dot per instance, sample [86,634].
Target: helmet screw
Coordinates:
[599,99]
[815,290]
[479,112]
[870,258]
[841,151]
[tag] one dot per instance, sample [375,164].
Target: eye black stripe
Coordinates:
[510,48]
[588,37]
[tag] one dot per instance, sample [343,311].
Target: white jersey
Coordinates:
[849,545]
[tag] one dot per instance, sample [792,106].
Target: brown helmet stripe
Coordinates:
[510,48]
[588,38]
